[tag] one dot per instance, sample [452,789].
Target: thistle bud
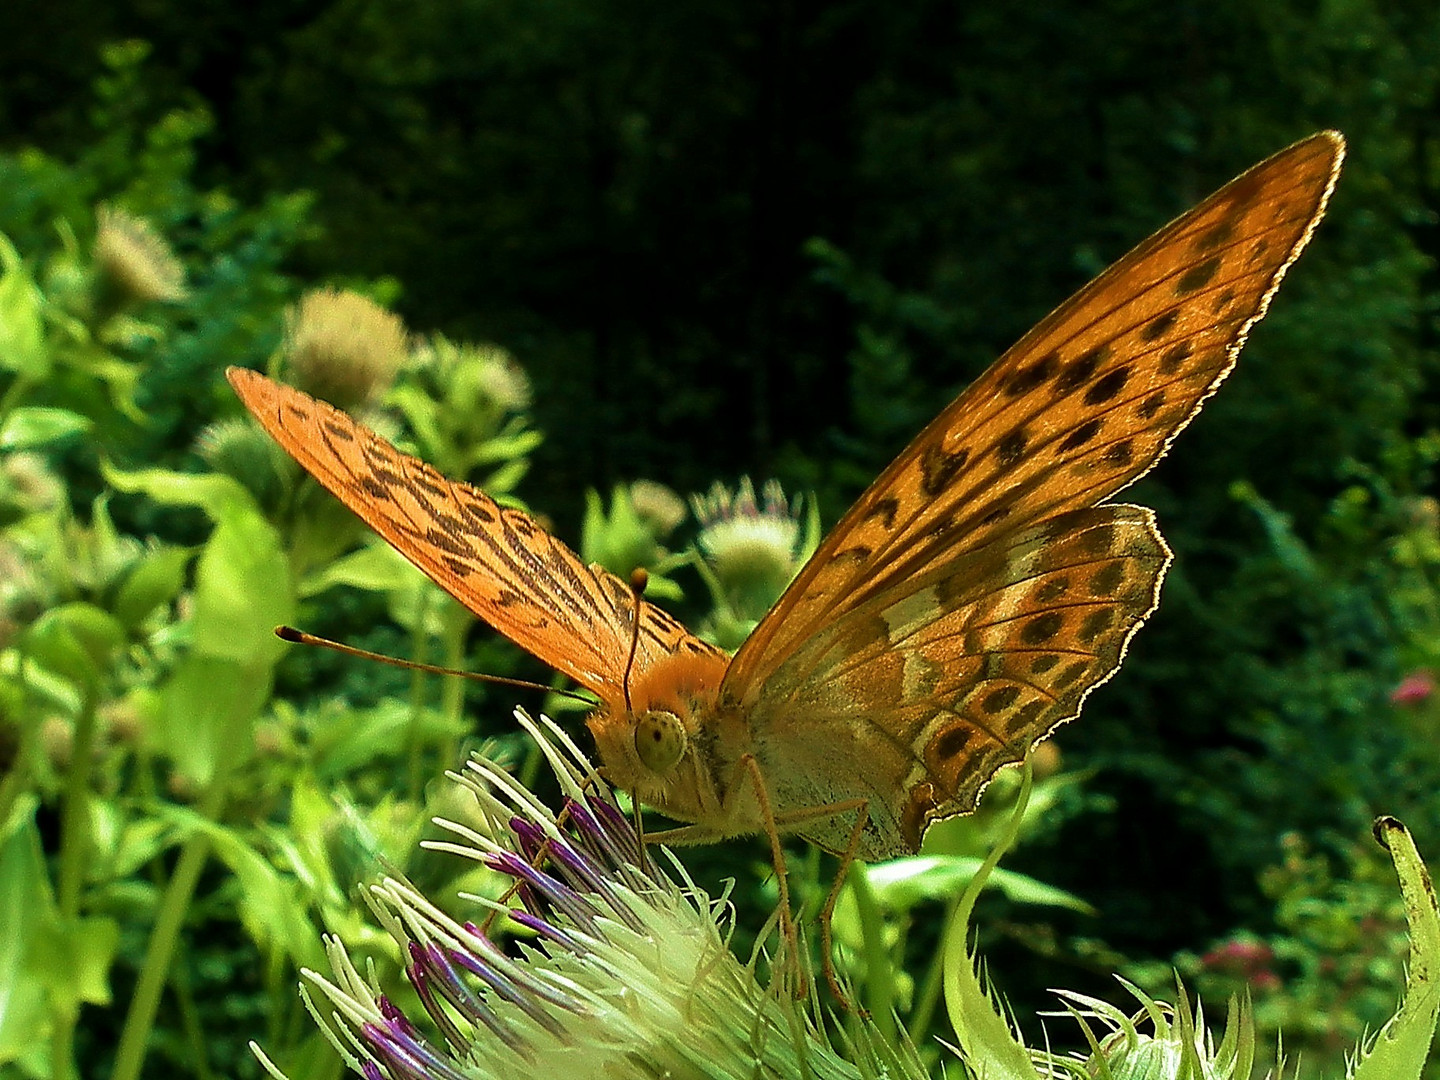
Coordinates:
[133,263]
[343,347]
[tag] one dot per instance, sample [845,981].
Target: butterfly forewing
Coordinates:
[941,679]
[1083,405]
[496,561]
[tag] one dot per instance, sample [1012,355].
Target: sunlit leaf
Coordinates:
[32,426]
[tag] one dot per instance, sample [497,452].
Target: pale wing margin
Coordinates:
[495,560]
[917,697]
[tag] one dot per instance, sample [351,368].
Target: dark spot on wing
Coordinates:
[1174,357]
[999,512]
[1081,435]
[941,526]
[1159,326]
[1096,623]
[1033,375]
[999,700]
[938,469]
[1218,234]
[1052,590]
[444,541]
[1026,715]
[1107,579]
[1120,454]
[1099,540]
[1011,449]
[952,741]
[1079,370]
[885,509]
[1042,628]
[1107,386]
[1197,277]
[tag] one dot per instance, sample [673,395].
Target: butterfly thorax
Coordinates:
[675,747]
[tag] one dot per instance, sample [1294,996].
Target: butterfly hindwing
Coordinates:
[1084,404]
[944,678]
[495,560]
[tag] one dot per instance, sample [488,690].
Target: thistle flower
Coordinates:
[498,378]
[1177,1043]
[344,347]
[659,508]
[625,973]
[752,551]
[243,452]
[465,406]
[133,262]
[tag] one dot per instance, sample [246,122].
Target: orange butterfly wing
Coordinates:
[496,561]
[894,666]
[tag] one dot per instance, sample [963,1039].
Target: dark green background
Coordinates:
[775,238]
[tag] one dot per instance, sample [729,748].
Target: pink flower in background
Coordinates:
[1416,687]
[1246,958]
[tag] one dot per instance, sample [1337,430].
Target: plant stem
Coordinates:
[174,903]
[74,824]
[879,970]
[419,652]
[927,996]
[74,842]
[452,688]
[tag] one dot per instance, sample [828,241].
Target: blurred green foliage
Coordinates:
[747,238]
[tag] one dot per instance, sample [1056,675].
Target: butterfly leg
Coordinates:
[861,808]
[788,934]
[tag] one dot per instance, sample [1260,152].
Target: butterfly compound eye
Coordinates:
[659,740]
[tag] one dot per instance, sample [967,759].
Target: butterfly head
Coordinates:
[653,747]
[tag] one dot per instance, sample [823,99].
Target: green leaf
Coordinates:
[155,580]
[987,1044]
[32,426]
[375,568]
[218,495]
[273,907]
[902,883]
[242,580]
[26,905]
[208,708]
[1403,1044]
[22,330]
[242,592]
[77,641]
[506,447]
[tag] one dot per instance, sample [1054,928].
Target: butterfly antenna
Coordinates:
[639,579]
[300,637]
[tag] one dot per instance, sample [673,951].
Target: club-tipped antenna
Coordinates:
[301,637]
[639,578]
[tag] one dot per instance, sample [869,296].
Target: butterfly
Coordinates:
[960,611]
